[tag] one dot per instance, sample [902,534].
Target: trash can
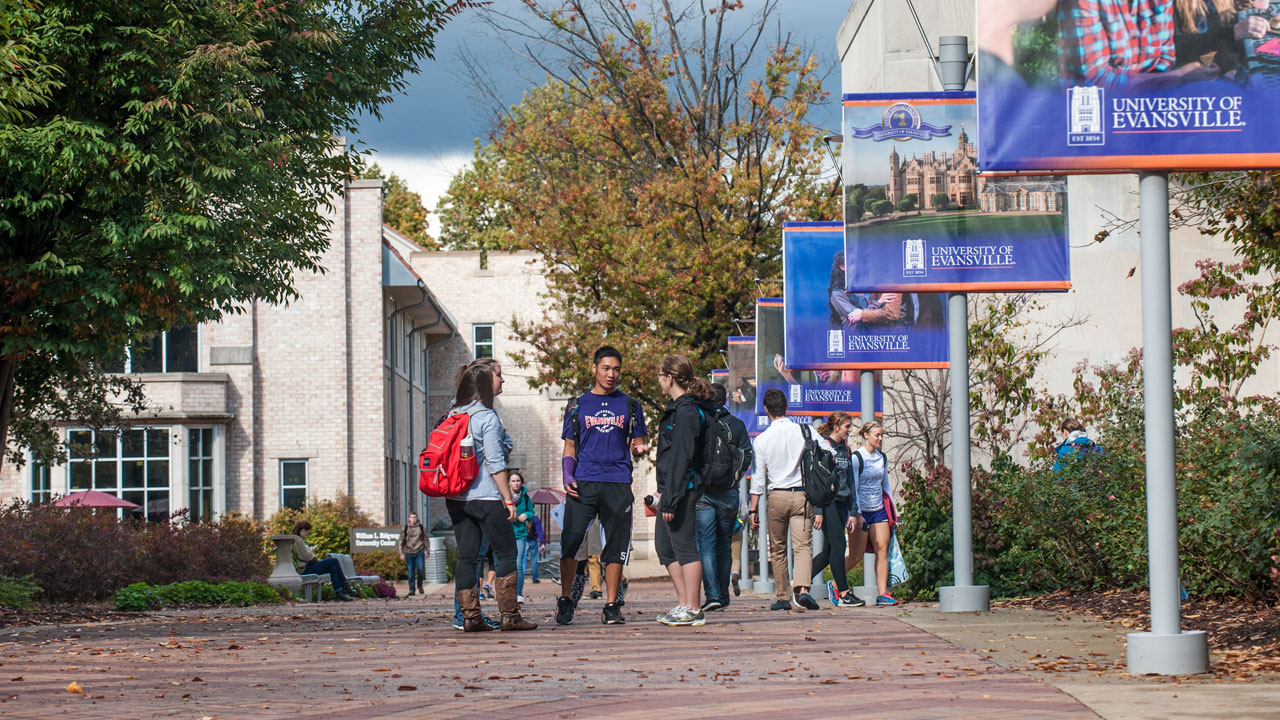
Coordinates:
[436,570]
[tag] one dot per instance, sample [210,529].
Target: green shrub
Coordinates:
[331,523]
[141,596]
[17,592]
[383,563]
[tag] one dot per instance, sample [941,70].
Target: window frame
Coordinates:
[164,354]
[118,460]
[306,479]
[198,481]
[491,342]
[41,495]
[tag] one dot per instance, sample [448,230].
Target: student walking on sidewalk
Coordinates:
[778,452]
[834,519]
[872,487]
[520,526]
[679,486]
[717,512]
[414,551]
[602,430]
[486,509]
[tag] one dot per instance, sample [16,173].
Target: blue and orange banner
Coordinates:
[890,330]
[1130,86]
[919,218]
[810,393]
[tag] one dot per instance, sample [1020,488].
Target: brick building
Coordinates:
[327,394]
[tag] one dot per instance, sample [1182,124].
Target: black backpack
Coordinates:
[818,471]
[722,460]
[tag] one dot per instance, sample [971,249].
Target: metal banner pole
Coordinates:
[745,583]
[763,586]
[1166,650]
[964,596]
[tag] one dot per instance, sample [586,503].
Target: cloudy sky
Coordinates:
[428,134]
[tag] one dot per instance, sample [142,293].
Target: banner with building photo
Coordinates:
[891,330]
[919,218]
[741,383]
[810,393]
[1104,86]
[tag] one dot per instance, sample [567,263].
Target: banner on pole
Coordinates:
[1109,86]
[891,330]
[741,384]
[810,393]
[918,217]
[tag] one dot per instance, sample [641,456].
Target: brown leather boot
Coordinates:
[507,605]
[472,618]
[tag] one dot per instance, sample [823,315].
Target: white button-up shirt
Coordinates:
[778,450]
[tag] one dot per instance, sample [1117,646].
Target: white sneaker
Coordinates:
[672,616]
[520,599]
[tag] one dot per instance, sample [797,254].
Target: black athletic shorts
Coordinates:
[611,502]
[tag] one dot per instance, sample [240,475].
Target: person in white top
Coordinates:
[778,450]
[871,487]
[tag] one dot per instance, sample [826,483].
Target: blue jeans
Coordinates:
[716,513]
[522,544]
[334,570]
[531,558]
[417,563]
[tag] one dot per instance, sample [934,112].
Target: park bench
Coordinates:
[349,571]
[286,575]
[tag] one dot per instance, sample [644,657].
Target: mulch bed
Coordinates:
[1243,637]
[59,614]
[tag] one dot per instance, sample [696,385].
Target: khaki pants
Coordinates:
[737,552]
[788,511]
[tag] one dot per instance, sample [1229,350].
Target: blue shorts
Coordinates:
[871,517]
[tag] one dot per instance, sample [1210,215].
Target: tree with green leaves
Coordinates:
[402,209]
[163,163]
[651,175]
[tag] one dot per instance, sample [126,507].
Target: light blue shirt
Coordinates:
[872,484]
[492,445]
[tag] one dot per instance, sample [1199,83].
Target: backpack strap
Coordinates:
[573,420]
[633,414]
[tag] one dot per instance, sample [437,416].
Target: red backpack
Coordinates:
[448,465]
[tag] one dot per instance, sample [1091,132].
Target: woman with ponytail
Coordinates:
[486,509]
[834,519]
[679,487]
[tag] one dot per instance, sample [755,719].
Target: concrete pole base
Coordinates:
[746,585]
[866,594]
[1184,654]
[964,598]
[762,587]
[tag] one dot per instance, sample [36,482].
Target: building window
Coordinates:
[177,350]
[130,464]
[293,484]
[200,475]
[482,340]
[41,486]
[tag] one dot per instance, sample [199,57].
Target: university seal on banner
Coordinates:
[901,121]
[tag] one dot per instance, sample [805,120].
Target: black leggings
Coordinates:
[476,520]
[834,518]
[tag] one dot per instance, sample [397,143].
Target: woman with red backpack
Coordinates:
[485,509]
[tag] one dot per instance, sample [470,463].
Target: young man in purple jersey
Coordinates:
[602,430]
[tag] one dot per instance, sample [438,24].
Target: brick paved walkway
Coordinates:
[402,659]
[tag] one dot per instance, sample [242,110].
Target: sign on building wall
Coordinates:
[810,393]
[918,217]
[830,328]
[1128,86]
[367,539]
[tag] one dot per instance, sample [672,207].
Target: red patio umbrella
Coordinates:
[93,499]
[546,496]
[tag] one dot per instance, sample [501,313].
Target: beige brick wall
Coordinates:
[508,289]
